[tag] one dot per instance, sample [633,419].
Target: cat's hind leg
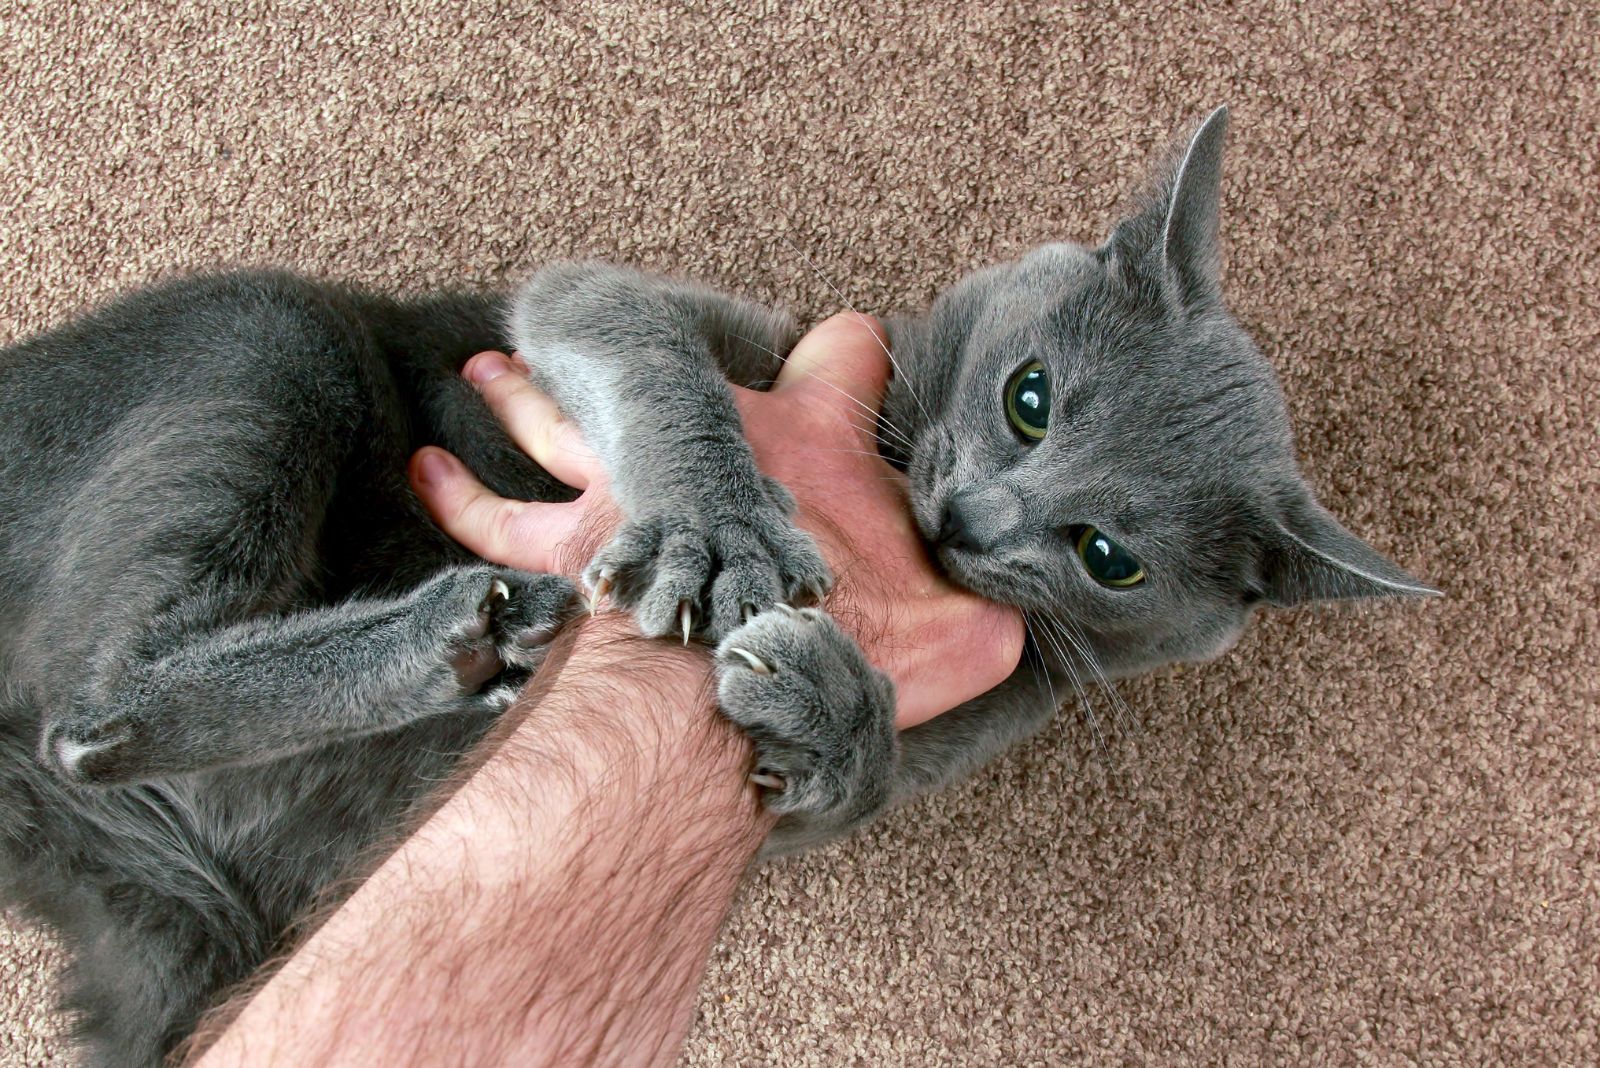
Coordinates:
[275,685]
[237,570]
[153,965]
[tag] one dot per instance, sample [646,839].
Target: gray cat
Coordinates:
[236,654]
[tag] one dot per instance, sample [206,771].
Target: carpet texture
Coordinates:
[1366,835]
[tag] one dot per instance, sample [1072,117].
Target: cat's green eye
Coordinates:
[1028,401]
[1107,562]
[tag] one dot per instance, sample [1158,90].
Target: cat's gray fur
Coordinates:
[236,653]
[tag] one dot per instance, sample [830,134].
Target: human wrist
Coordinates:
[618,713]
[625,775]
[619,774]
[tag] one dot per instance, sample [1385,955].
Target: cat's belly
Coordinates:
[290,828]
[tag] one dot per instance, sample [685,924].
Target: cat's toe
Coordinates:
[496,618]
[803,575]
[531,613]
[820,716]
[706,574]
[672,605]
[624,569]
[746,586]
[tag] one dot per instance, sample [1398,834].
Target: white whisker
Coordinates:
[1027,625]
[1119,707]
[1089,716]
[898,370]
[882,421]
[852,452]
[753,343]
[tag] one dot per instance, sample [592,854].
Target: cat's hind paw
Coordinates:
[527,612]
[502,619]
[820,715]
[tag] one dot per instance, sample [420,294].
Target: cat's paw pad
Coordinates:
[709,573]
[505,619]
[820,715]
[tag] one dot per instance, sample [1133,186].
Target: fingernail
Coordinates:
[485,367]
[432,467]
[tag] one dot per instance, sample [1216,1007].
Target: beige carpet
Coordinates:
[1366,836]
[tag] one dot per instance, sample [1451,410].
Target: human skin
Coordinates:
[559,907]
[815,432]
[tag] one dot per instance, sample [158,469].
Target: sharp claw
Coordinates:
[786,609]
[602,587]
[498,594]
[771,782]
[758,665]
[748,611]
[686,618]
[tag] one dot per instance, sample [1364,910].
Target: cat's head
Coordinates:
[1097,441]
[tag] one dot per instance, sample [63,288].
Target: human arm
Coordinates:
[814,432]
[617,806]
[559,907]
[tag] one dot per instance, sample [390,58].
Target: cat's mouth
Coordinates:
[962,566]
[974,571]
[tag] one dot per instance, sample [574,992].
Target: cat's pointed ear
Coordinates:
[1173,235]
[1308,556]
[1189,243]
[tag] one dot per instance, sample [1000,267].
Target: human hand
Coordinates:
[815,432]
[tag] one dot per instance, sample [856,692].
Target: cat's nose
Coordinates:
[981,519]
[955,532]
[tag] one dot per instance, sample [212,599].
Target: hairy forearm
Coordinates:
[558,908]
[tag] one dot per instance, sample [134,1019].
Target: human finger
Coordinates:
[962,652]
[521,534]
[844,361]
[532,419]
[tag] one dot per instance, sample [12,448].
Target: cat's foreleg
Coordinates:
[272,686]
[641,364]
[820,716]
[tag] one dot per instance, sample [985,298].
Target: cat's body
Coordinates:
[167,890]
[231,641]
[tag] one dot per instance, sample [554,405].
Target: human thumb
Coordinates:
[845,362]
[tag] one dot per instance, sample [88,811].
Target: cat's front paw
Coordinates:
[820,715]
[688,571]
